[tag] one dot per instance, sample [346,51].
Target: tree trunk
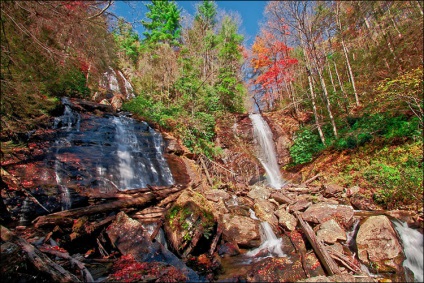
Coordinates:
[352,79]
[314,108]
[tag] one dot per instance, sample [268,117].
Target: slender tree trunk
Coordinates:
[346,103]
[352,79]
[314,108]
[328,104]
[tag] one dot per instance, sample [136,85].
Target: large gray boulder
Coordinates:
[378,245]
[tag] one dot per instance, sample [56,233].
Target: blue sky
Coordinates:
[251,13]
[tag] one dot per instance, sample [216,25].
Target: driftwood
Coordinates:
[311,179]
[327,262]
[169,199]
[84,271]
[196,237]
[216,239]
[299,190]
[206,171]
[61,216]
[42,262]
[344,260]
[149,214]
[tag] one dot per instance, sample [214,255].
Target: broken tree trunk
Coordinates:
[330,266]
[38,259]
[63,216]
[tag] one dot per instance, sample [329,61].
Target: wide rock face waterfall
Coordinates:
[266,151]
[108,153]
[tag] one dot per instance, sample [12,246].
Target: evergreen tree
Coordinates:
[164,26]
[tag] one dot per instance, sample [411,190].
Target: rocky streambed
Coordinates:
[193,230]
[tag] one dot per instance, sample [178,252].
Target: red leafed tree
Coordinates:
[270,58]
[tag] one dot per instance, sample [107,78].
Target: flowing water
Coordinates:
[266,151]
[106,153]
[271,245]
[412,241]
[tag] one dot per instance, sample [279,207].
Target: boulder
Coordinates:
[228,249]
[300,205]
[331,190]
[330,231]
[130,238]
[321,212]
[215,195]
[259,193]
[285,219]
[282,198]
[264,210]
[190,218]
[378,245]
[242,230]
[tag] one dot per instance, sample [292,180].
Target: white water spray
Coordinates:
[270,243]
[266,151]
[413,248]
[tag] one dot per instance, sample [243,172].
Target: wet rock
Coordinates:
[330,232]
[285,219]
[313,265]
[178,169]
[259,193]
[242,230]
[228,249]
[331,190]
[321,212]
[205,264]
[190,218]
[173,146]
[130,238]
[264,210]
[378,245]
[215,195]
[280,269]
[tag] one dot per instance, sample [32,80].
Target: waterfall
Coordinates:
[266,151]
[270,243]
[107,153]
[412,241]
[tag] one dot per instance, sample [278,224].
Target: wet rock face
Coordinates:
[378,245]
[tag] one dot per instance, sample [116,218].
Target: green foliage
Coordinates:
[306,144]
[127,40]
[73,83]
[206,13]
[164,25]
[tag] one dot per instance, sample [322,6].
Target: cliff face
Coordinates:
[235,136]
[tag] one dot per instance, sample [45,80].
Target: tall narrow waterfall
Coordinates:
[266,150]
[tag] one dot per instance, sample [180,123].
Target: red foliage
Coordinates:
[73,5]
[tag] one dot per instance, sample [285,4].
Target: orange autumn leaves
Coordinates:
[270,58]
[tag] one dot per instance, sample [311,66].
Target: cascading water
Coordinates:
[270,243]
[266,151]
[108,153]
[412,241]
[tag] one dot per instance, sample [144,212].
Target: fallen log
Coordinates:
[344,260]
[67,215]
[216,239]
[40,261]
[311,179]
[327,262]
[84,271]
